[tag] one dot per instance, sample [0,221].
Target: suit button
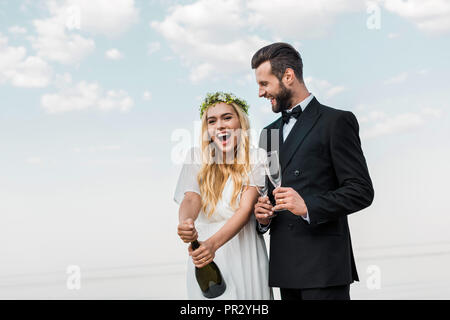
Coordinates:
[290,226]
[296,173]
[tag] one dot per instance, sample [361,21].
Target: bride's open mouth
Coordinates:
[224,137]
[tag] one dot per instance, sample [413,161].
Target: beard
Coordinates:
[283,99]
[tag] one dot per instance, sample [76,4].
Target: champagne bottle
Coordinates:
[209,278]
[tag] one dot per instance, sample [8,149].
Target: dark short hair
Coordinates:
[281,56]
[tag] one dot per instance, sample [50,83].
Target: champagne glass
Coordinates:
[259,178]
[262,190]
[273,169]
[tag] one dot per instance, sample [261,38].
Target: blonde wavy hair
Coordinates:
[213,176]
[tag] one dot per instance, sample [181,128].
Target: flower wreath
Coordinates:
[228,98]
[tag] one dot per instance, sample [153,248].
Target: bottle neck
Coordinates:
[195,244]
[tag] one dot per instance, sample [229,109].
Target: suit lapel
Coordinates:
[299,132]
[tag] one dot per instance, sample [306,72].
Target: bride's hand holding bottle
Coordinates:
[187,231]
[204,254]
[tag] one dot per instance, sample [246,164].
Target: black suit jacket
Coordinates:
[323,161]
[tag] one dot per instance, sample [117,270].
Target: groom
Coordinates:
[324,179]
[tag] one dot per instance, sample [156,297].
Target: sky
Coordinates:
[100,98]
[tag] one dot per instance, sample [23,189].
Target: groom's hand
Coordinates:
[186,230]
[289,199]
[263,210]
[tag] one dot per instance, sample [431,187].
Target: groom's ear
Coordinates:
[288,77]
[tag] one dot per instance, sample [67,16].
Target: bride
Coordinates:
[216,191]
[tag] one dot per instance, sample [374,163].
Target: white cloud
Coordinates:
[9,56]
[322,88]
[153,47]
[334,90]
[400,78]
[167,58]
[431,16]
[385,125]
[54,42]
[215,37]
[147,95]
[208,44]
[62,80]
[432,112]
[17,30]
[115,100]
[96,148]
[109,148]
[107,17]
[20,70]
[59,36]
[423,71]
[33,72]
[86,96]
[393,35]
[298,18]
[34,160]
[114,54]
[25,6]
[393,124]
[372,117]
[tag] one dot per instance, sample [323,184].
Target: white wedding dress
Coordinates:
[243,260]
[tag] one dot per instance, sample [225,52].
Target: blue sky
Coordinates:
[88,111]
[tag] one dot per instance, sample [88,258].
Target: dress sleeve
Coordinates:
[257,161]
[187,181]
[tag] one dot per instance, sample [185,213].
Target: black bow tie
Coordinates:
[296,112]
